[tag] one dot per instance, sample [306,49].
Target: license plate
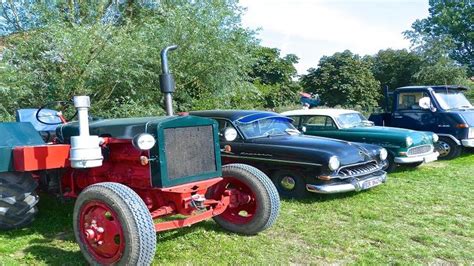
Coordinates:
[371,183]
[430,158]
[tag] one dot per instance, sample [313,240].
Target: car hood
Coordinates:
[318,149]
[390,135]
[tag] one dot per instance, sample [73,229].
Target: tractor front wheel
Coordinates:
[113,226]
[257,205]
[18,200]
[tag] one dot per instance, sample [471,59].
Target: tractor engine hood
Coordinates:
[128,128]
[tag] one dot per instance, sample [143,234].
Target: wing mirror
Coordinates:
[425,104]
[230,134]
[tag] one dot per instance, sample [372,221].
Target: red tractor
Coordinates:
[125,174]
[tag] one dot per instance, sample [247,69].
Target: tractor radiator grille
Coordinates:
[420,150]
[358,169]
[189,151]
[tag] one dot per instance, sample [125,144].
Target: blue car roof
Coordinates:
[241,116]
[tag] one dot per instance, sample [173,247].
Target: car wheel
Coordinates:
[391,165]
[290,184]
[447,148]
[113,226]
[258,206]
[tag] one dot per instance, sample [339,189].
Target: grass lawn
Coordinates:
[420,216]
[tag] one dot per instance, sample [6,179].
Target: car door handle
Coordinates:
[397,116]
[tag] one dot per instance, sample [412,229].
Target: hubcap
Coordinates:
[288,182]
[101,232]
[443,148]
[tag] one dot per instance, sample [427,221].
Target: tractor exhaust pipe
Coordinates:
[167,80]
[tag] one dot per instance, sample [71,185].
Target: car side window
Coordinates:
[319,122]
[410,100]
[296,121]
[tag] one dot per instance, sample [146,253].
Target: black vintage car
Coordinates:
[297,164]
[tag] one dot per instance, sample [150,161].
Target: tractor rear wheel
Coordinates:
[113,226]
[259,203]
[18,200]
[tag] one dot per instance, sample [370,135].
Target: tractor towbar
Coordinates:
[167,80]
[85,149]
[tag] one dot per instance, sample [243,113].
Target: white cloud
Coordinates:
[297,26]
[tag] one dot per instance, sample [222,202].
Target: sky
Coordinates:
[314,28]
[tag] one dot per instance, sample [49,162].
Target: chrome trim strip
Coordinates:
[269,160]
[449,136]
[355,185]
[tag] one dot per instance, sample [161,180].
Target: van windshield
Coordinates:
[452,99]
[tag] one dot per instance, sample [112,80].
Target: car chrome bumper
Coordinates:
[433,156]
[353,184]
[468,142]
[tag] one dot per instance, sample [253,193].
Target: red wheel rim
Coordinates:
[101,232]
[245,209]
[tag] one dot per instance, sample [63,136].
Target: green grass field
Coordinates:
[420,216]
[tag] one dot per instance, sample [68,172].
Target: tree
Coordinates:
[395,68]
[450,26]
[343,79]
[273,76]
[115,58]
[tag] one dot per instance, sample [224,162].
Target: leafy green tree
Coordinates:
[343,79]
[115,58]
[274,75]
[395,68]
[450,26]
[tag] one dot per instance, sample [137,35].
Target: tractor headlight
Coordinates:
[334,163]
[409,141]
[435,137]
[383,154]
[144,141]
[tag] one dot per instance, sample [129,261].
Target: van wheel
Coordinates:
[447,148]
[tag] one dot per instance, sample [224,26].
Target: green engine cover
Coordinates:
[12,135]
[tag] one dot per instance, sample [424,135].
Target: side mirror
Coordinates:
[303,128]
[230,134]
[425,104]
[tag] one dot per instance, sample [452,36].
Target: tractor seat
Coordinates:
[48,132]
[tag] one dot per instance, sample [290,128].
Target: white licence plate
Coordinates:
[430,158]
[371,183]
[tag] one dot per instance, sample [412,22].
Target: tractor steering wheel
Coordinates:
[63,105]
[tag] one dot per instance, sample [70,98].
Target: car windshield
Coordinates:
[267,127]
[353,120]
[452,99]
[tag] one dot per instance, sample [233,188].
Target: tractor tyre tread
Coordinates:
[134,216]
[267,196]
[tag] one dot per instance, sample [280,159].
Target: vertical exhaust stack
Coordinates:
[167,80]
[85,149]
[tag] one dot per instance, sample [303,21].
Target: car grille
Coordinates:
[190,151]
[420,150]
[358,169]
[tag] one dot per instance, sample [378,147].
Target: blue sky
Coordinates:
[314,28]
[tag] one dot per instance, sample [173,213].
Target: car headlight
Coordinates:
[409,141]
[383,154]
[334,163]
[144,141]
[471,133]
[435,137]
